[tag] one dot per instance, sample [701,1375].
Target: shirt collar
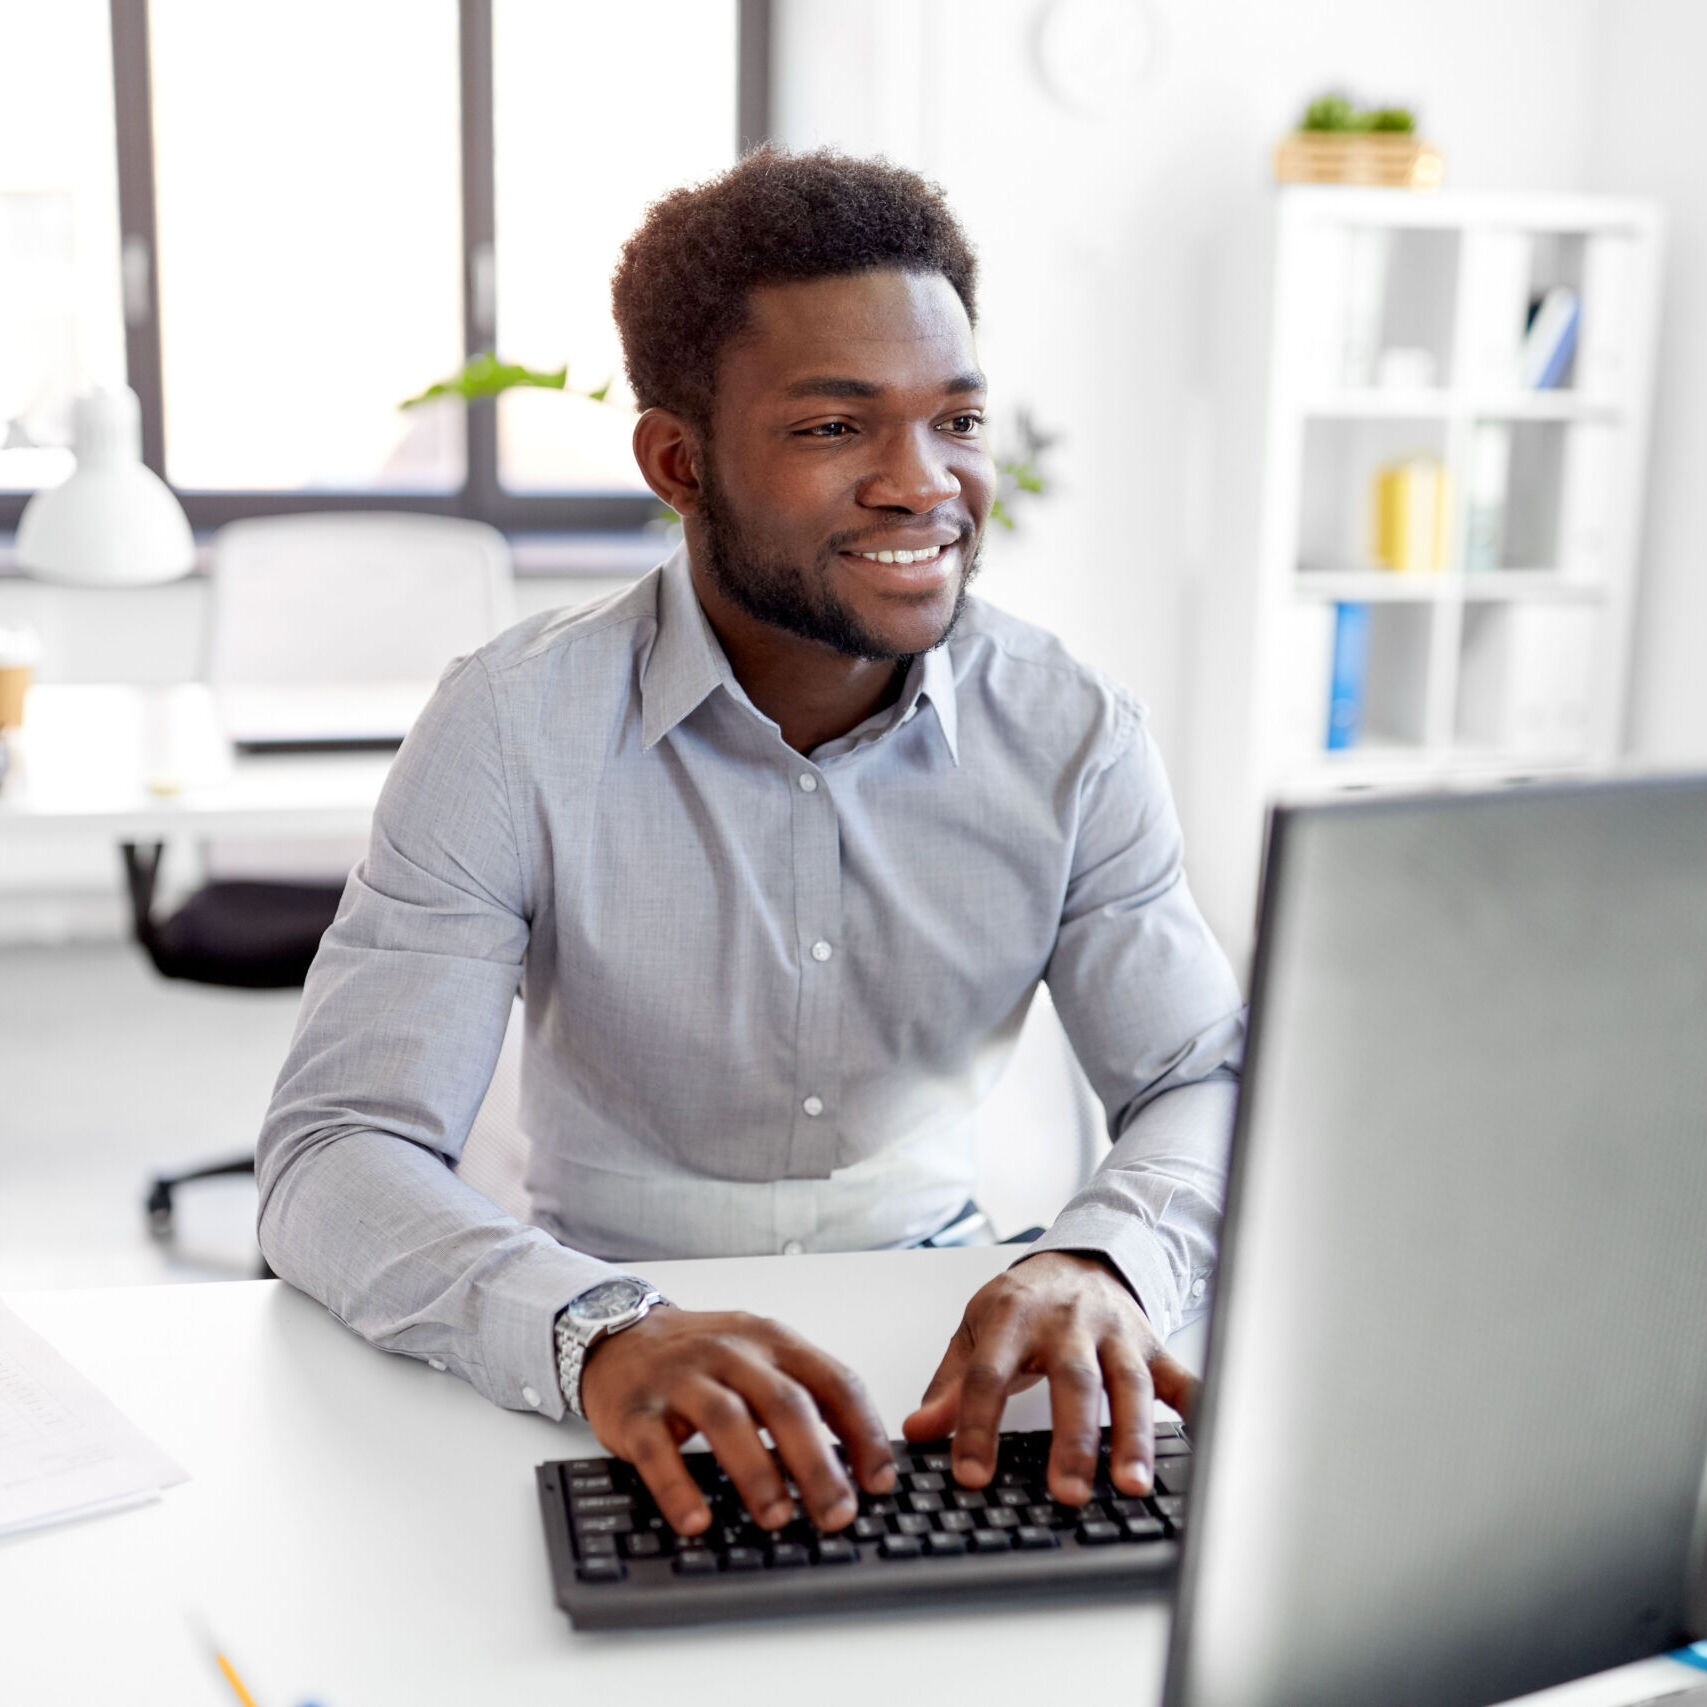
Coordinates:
[686,663]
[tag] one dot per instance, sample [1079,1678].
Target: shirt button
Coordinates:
[437,1363]
[1197,1289]
[814,1106]
[821,950]
[530,1397]
[793,1248]
[808,783]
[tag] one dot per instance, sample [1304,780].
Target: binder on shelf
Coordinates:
[1494,303]
[1490,474]
[1349,680]
[1608,314]
[1410,512]
[1551,340]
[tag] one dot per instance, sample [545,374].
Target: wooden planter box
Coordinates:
[1388,160]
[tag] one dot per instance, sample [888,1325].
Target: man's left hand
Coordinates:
[1065,1319]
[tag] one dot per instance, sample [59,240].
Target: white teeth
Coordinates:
[926,555]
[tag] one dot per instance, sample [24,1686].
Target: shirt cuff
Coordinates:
[517,1343]
[1137,1255]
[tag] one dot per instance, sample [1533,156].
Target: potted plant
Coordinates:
[1337,142]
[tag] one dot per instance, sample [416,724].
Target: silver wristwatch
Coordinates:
[594,1315]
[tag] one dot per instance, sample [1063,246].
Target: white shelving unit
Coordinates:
[1501,673]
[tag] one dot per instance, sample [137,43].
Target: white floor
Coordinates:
[107,1074]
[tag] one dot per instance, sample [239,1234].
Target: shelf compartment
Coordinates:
[1341,458]
[1527,678]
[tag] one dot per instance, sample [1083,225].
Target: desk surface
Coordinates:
[361,1532]
[145,764]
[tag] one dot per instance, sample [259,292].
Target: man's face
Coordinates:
[848,422]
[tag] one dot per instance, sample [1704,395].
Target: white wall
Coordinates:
[1646,140]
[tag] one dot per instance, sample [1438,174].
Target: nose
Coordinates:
[913,474]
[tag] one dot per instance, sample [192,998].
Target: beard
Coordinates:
[797,598]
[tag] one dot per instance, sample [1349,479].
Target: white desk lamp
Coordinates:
[114,523]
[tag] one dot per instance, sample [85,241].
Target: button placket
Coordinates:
[818,913]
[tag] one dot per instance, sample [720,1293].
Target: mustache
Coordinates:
[855,539]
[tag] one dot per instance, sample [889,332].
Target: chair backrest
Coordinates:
[362,597]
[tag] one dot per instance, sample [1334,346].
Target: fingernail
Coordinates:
[883,1479]
[778,1514]
[1146,1479]
[842,1511]
[1075,1491]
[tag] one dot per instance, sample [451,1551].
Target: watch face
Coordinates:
[606,1301]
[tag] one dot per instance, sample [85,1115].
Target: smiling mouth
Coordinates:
[926,554]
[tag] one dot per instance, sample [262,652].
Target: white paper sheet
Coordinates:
[66,1450]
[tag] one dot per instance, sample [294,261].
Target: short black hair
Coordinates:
[681,287]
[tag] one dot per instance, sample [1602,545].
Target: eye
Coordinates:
[967,426]
[827,430]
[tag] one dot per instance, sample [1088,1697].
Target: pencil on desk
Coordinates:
[234,1680]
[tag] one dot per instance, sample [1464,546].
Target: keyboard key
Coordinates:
[833,1550]
[1098,1532]
[596,1546]
[900,1547]
[943,1545]
[600,1570]
[1002,1517]
[589,1505]
[647,1546]
[940,1462]
[605,1523]
[785,1555]
[1171,1445]
[969,1499]
[1172,1507]
[887,1506]
[990,1541]
[1044,1514]
[695,1562]
[1012,1479]
[925,1502]
[1173,1475]
[1034,1535]
[926,1482]
[1012,1496]
[1143,1528]
[913,1523]
[1131,1508]
[870,1528]
[957,1522]
[743,1559]
[600,1484]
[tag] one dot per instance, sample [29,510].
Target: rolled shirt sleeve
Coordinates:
[401,1022]
[1154,1015]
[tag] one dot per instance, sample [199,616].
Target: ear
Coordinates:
[668,450]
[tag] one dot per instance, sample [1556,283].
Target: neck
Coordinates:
[811,691]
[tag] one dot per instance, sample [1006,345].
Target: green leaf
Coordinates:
[485,376]
[1329,112]
[601,394]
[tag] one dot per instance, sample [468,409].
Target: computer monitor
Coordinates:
[1454,1430]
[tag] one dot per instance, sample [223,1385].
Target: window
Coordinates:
[577,157]
[61,324]
[321,208]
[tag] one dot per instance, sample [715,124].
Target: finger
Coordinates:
[1132,1427]
[787,1409]
[652,1450]
[846,1406]
[990,1373]
[721,1414]
[1175,1384]
[940,1406]
[1075,1416]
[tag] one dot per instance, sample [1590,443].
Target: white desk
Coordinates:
[361,1532]
[148,764]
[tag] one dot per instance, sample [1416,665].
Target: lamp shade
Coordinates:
[114,523]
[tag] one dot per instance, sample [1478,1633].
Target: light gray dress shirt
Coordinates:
[763,993]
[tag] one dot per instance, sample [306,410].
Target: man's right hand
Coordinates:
[726,1376]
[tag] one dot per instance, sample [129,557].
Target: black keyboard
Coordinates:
[615,1560]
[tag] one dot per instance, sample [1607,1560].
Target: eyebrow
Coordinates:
[829,385]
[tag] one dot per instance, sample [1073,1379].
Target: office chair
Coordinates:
[317,599]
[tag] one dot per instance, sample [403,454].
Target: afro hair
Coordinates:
[681,287]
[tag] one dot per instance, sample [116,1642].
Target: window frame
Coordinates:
[481,496]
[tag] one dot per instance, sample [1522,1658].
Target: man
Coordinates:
[777,844]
